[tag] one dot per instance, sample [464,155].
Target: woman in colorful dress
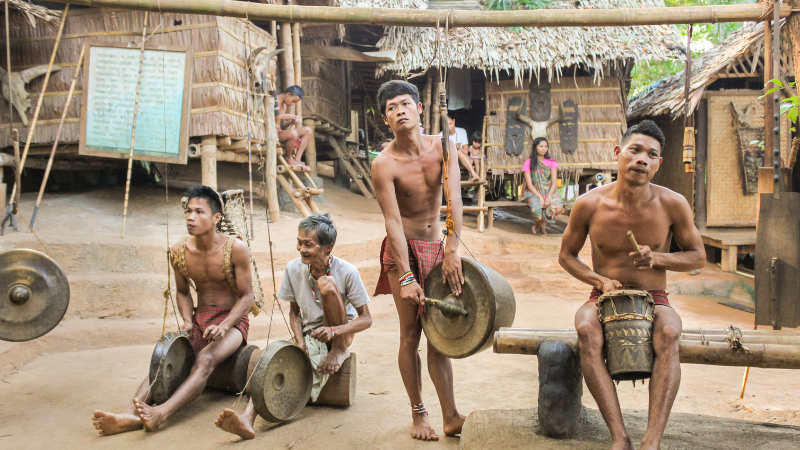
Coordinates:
[541,180]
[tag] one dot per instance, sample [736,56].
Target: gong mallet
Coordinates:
[446,307]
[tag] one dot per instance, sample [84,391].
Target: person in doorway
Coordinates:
[655,215]
[219,267]
[296,140]
[541,183]
[408,184]
[460,141]
[328,307]
[474,153]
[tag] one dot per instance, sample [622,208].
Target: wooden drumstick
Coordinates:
[633,241]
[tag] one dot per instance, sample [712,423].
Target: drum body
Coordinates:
[170,365]
[486,296]
[627,318]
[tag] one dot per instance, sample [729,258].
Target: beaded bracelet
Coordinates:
[407,279]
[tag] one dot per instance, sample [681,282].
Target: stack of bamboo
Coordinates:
[766,349]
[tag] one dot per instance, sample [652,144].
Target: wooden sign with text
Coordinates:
[109,93]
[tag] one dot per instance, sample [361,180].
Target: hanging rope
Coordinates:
[688,119]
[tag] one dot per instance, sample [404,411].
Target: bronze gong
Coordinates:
[34,295]
[170,365]
[486,296]
[281,382]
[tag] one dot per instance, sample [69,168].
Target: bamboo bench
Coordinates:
[502,203]
[732,243]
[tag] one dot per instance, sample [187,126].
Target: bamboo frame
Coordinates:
[459,18]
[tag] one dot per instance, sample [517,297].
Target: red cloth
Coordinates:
[206,316]
[422,256]
[660,297]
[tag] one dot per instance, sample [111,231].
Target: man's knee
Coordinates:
[410,336]
[667,338]
[327,286]
[305,130]
[293,134]
[204,363]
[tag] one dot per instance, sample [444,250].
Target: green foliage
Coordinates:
[788,106]
[507,5]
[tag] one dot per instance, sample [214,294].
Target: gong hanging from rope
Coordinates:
[170,365]
[461,326]
[35,295]
[281,381]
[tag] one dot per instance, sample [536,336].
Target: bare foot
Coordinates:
[543,229]
[231,422]
[453,426]
[475,177]
[305,167]
[535,230]
[151,417]
[422,429]
[334,360]
[291,161]
[109,424]
[622,444]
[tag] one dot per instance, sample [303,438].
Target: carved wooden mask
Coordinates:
[515,129]
[568,128]
[541,106]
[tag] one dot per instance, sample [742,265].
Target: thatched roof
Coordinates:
[529,49]
[33,12]
[667,95]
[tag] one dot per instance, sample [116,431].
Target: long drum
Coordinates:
[231,374]
[170,365]
[281,381]
[627,318]
[488,300]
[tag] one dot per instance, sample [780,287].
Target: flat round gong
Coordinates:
[281,383]
[34,295]
[170,365]
[486,296]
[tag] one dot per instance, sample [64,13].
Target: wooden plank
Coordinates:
[505,203]
[344,158]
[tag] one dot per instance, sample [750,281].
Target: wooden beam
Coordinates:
[208,161]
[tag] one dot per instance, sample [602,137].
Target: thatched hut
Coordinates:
[726,85]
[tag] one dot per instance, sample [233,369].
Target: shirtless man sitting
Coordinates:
[655,215]
[219,324]
[328,306]
[408,183]
[296,140]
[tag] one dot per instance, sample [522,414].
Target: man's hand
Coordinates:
[611,286]
[643,259]
[214,332]
[451,270]
[413,293]
[323,334]
[187,327]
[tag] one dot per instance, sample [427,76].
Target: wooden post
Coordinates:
[299,204]
[768,75]
[426,102]
[482,168]
[701,160]
[270,167]
[298,70]
[344,158]
[208,160]
[287,56]
[311,149]
[436,115]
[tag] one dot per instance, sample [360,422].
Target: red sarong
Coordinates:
[660,297]
[422,256]
[206,316]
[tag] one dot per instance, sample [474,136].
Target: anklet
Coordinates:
[419,409]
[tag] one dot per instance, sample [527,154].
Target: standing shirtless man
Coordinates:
[294,141]
[655,215]
[408,183]
[219,324]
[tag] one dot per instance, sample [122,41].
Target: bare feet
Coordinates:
[151,417]
[475,177]
[231,422]
[109,424]
[453,426]
[543,228]
[334,360]
[422,429]
[305,167]
[650,445]
[535,229]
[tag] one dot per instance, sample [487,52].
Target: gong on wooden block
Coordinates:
[281,382]
[340,389]
[486,303]
[34,295]
[170,365]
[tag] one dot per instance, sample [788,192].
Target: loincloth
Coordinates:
[660,297]
[422,256]
[205,316]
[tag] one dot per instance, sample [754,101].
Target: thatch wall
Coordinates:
[218,100]
[325,89]
[672,173]
[601,121]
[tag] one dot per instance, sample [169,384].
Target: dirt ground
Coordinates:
[99,354]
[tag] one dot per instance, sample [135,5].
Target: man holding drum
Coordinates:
[328,307]
[408,184]
[655,215]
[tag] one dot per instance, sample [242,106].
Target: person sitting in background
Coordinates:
[474,153]
[294,141]
[541,180]
[459,139]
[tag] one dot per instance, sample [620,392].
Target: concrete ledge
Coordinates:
[516,429]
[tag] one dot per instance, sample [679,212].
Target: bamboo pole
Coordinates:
[353,173]
[426,102]
[270,174]
[299,204]
[436,112]
[17,189]
[208,161]
[482,187]
[133,130]
[249,123]
[615,17]
[286,56]
[58,136]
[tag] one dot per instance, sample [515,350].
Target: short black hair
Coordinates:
[394,88]
[476,137]
[647,128]
[294,90]
[323,225]
[211,196]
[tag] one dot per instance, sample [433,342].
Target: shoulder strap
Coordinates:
[180,258]
[227,267]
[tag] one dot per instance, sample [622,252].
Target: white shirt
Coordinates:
[460,137]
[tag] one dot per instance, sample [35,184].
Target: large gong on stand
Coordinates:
[34,295]
[487,299]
